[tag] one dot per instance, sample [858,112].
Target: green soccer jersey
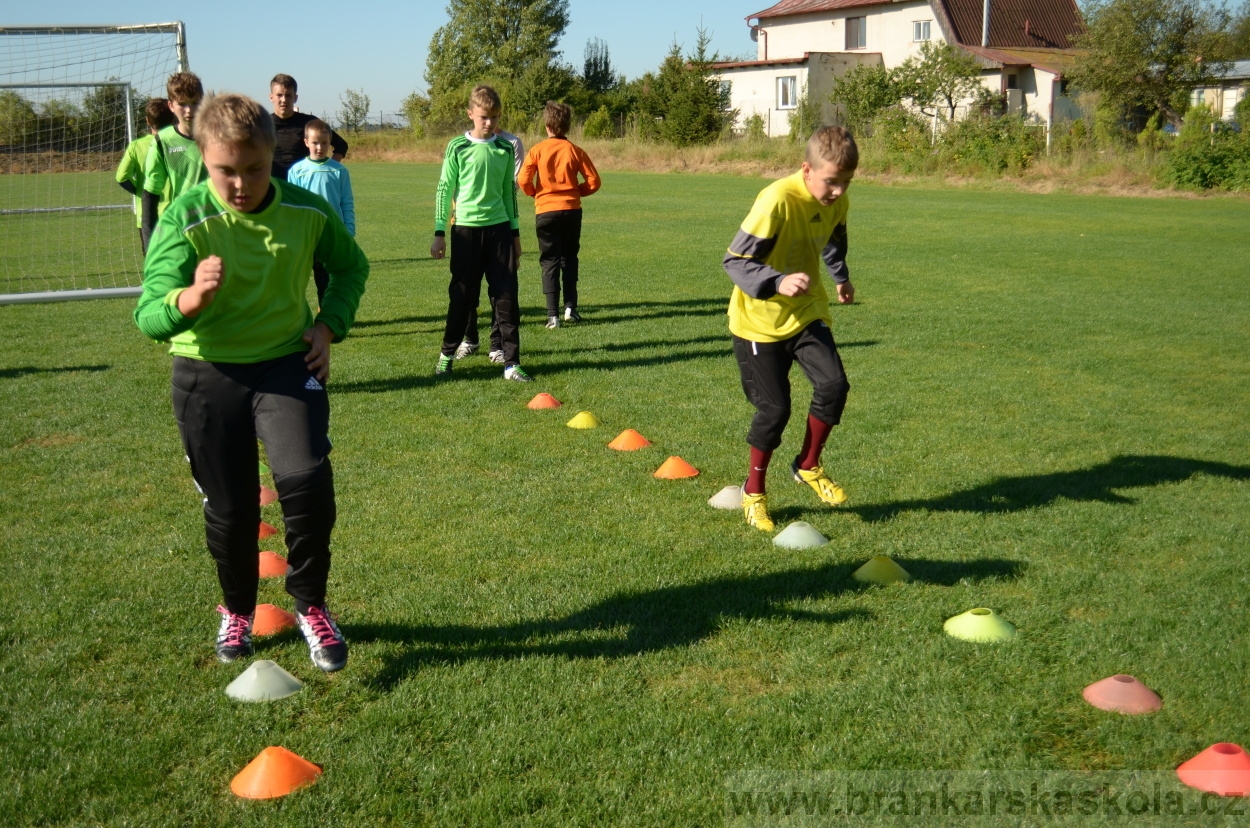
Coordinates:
[261,310]
[173,166]
[131,169]
[478,176]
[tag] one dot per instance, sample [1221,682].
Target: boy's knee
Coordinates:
[307,497]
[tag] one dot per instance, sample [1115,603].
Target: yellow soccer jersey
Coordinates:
[787,231]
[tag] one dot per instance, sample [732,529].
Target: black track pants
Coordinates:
[559,241]
[478,252]
[221,410]
[765,368]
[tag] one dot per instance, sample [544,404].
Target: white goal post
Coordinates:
[71,100]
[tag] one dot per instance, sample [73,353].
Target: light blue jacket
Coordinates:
[330,180]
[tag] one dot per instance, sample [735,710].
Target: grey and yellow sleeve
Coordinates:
[834,255]
[744,262]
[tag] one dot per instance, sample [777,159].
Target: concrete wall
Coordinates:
[753,90]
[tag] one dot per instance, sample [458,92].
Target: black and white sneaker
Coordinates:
[234,636]
[326,646]
[516,373]
[466,349]
[495,357]
[571,315]
[553,321]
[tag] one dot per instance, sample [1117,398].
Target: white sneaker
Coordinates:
[466,349]
[571,315]
[553,321]
[495,357]
[516,373]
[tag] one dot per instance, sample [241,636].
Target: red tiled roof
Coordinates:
[1024,24]
[790,7]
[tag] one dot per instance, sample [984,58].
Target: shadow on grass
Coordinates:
[1097,483]
[10,373]
[478,370]
[633,623]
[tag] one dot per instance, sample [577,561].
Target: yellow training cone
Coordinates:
[880,570]
[981,625]
[584,420]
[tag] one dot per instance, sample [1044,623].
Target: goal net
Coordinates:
[71,99]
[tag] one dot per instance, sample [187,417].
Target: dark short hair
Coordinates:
[184,87]
[285,81]
[157,113]
[317,127]
[557,117]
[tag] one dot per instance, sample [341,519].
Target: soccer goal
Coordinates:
[71,99]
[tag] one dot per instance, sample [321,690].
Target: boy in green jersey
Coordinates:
[174,164]
[779,312]
[486,239]
[224,282]
[130,170]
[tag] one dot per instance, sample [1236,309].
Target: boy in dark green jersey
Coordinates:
[485,240]
[174,164]
[779,312]
[224,282]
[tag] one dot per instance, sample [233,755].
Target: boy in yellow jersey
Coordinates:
[779,311]
[224,283]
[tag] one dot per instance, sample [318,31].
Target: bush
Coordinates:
[754,129]
[1209,154]
[599,124]
[804,119]
[899,139]
[1242,113]
[982,143]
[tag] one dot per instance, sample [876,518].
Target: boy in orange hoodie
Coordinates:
[549,174]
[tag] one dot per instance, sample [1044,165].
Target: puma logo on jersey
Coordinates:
[177,149]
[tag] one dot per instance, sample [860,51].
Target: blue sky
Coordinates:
[381,47]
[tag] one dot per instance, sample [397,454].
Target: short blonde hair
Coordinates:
[835,145]
[234,119]
[486,97]
[557,117]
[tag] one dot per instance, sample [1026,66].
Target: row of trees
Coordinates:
[1142,58]
[96,124]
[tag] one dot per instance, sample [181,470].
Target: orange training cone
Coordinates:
[271,620]
[267,496]
[1223,768]
[266,531]
[674,468]
[543,400]
[1122,694]
[274,772]
[272,565]
[629,440]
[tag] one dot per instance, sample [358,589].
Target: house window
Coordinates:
[786,92]
[920,30]
[1013,81]
[726,89]
[1063,87]
[1199,96]
[856,32]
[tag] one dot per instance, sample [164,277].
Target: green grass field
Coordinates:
[1047,417]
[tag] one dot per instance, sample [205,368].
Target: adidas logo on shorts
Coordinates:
[313,385]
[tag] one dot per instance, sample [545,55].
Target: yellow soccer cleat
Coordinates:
[755,507]
[829,491]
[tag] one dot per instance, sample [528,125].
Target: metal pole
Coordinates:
[985,24]
[181,45]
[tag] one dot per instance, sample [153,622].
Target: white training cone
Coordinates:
[729,497]
[263,681]
[800,535]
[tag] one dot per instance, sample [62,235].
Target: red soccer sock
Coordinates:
[759,469]
[813,442]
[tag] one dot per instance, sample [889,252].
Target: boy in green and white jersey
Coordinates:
[174,165]
[224,282]
[130,170]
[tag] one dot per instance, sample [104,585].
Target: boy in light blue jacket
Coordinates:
[321,174]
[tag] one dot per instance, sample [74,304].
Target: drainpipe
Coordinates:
[759,32]
[985,24]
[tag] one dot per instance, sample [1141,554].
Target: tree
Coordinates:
[944,75]
[1150,53]
[17,118]
[598,76]
[504,42]
[685,103]
[355,111]
[416,109]
[862,93]
[104,111]
[1239,34]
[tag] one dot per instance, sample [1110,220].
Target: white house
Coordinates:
[1224,93]
[802,45]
